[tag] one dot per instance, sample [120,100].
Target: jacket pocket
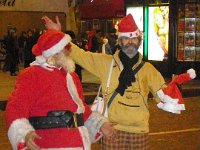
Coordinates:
[129,113]
[128,104]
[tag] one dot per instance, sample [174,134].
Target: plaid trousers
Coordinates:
[126,141]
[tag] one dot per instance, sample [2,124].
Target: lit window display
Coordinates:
[158,31]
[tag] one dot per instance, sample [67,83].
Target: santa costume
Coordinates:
[41,89]
[171,97]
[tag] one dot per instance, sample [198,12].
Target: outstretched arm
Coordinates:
[87,60]
[49,24]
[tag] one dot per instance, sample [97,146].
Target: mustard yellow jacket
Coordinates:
[129,111]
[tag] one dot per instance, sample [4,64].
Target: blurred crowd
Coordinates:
[16,47]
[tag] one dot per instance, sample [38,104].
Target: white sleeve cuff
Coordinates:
[18,130]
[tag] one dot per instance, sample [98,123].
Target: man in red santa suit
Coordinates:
[46,109]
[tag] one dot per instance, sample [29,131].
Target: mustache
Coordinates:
[129,45]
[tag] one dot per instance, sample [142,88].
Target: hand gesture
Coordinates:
[29,141]
[49,24]
[107,130]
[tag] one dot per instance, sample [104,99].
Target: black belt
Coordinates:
[57,119]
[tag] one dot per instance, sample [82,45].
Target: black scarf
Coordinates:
[127,75]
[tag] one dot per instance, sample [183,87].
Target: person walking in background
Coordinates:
[11,46]
[94,39]
[98,34]
[28,56]
[112,40]
[83,40]
[22,44]
[130,83]
[48,101]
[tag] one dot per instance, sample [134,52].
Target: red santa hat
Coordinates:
[49,43]
[128,28]
[171,97]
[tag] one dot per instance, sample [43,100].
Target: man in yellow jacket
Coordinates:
[130,83]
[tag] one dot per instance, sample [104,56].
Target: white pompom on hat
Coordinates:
[50,43]
[171,97]
[128,28]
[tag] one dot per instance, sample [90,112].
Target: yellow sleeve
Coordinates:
[95,63]
[155,81]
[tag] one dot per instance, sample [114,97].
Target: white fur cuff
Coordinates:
[171,107]
[18,130]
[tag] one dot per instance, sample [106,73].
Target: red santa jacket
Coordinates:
[37,91]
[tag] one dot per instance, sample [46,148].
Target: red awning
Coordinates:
[102,9]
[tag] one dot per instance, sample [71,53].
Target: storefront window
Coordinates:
[188,36]
[158,33]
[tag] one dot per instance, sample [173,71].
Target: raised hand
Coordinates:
[49,24]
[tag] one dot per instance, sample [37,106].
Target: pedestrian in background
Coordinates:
[28,56]
[112,39]
[11,46]
[22,44]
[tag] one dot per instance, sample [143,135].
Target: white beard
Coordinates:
[130,51]
[68,64]
[64,61]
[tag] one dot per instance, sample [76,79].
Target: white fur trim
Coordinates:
[93,124]
[74,94]
[18,130]
[45,66]
[129,34]
[85,137]
[166,98]
[57,47]
[170,107]
[191,73]
[160,94]
[40,59]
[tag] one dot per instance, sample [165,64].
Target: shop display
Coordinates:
[188,32]
[197,53]
[189,53]
[158,33]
